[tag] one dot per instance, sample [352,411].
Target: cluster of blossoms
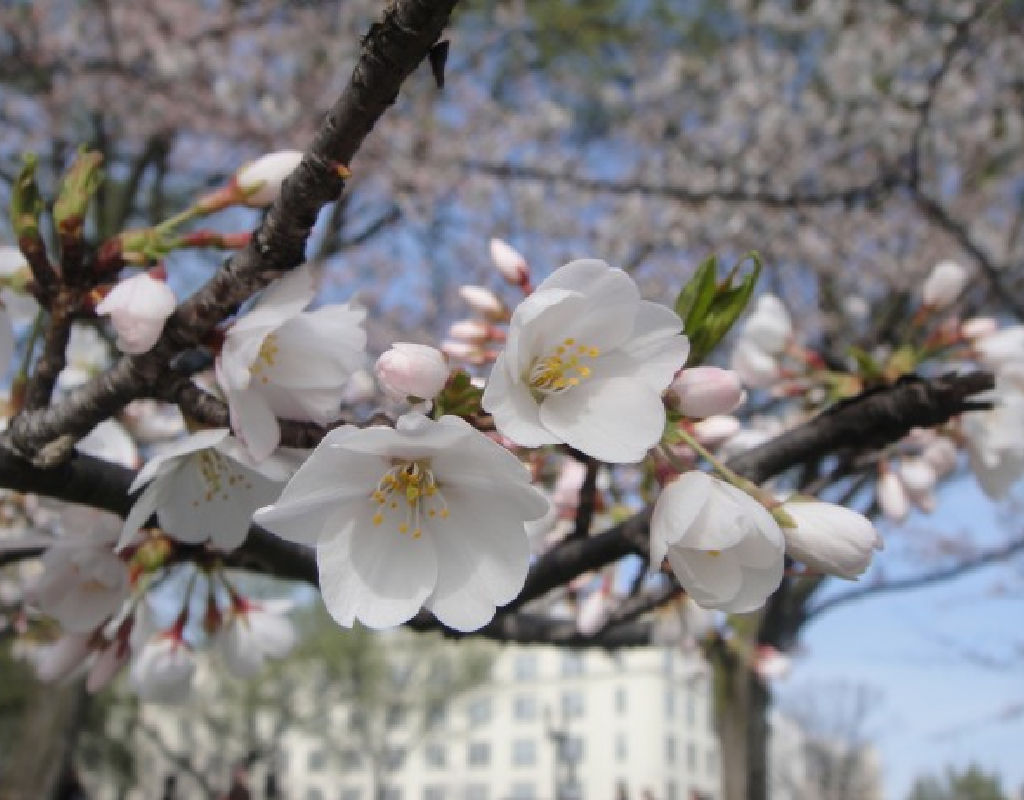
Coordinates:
[769,356]
[443,510]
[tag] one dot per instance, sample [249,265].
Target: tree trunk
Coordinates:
[741,718]
[44,750]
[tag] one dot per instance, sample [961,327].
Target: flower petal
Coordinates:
[516,414]
[616,420]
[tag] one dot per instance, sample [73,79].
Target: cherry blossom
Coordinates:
[138,308]
[703,392]
[426,514]
[203,489]
[163,667]
[253,632]
[510,263]
[412,370]
[830,538]
[83,582]
[281,361]
[585,364]
[724,547]
[944,284]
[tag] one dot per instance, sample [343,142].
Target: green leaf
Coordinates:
[696,297]
[712,316]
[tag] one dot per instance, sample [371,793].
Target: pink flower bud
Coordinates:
[260,181]
[918,477]
[940,454]
[944,285]
[892,497]
[978,327]
[716,430]
[706,391]
[484,301]
[470,330]
[510,263]
[464,351]
[412,370]
[138,308]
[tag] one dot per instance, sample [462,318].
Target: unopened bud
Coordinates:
[978,327]
[944,285]
[715,431]
[412,370]
[260,181]
[138,308]
[705,391]
[470,330]
[510,263]
[484,301]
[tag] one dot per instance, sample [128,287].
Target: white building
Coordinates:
[552,724]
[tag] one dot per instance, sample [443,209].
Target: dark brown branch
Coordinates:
[858,194]
[391,51]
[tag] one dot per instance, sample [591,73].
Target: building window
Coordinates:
[433,793]
[351,794]
[691,710]
[313,793]
[522,791]
[435,715]
[621,746]
[670,702]
[525,666]
[317,760]
[393,716]
[393,757]
[670,750]
[524,708]
[572,664]
[571,749]
[620,700]
[476,791]
[671,792]
[572,705]
[691,757]
[350,759]
[392,793]
[711,764]
[479,712]
[524,753]
[434,755]
[669,661]
[479,754]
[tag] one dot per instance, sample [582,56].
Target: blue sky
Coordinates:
[923,649]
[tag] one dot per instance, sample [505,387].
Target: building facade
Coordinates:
[551,724]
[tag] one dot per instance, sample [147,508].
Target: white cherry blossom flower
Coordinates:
[995,437]
[138,308]
[1001,349]
[757,368]
[163,667]
[110,441]
[427,514]
[412,370]
[586,363]
[770,327]
[281,361]
[57,660]
[201,489]
[87,354]
[830,538]
[83,582]
[253,632]
[725,549]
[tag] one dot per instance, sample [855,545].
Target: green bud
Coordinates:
[26,201]
[76,192]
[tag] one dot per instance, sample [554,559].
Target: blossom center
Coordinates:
[218,477]
[267,358]
[411,491]
[562,368]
